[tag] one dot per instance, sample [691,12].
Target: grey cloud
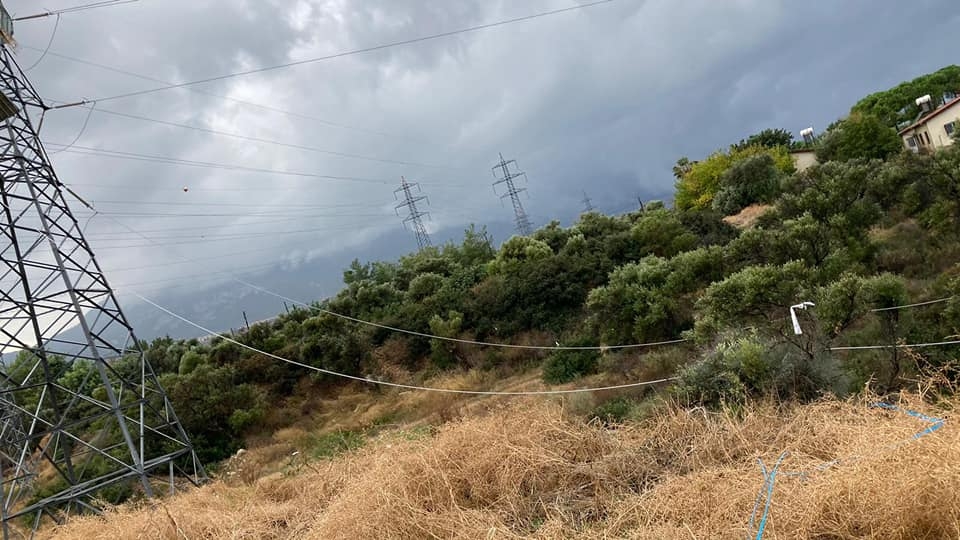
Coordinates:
[603,99]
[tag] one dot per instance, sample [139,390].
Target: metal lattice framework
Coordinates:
[504,175]
[587,203]
[80,403]
[414,215]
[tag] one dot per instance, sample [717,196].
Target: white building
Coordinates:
[934,128]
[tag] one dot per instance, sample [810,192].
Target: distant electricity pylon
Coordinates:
[504,175]
[414,215]
[587,203]
[80,400]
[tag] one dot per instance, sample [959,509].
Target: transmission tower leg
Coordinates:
[99,361]
[97,414]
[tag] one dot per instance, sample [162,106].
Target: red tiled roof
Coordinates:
[936,111]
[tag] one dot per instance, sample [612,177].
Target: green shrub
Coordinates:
[752,366]
[616,411]
[566,365]
[333,444]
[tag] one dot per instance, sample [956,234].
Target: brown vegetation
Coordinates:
[747,217]
[533,470]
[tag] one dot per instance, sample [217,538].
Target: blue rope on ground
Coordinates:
[935,423]
[766,492]
[769,478]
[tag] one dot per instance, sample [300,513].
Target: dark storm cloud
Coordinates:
[604,100]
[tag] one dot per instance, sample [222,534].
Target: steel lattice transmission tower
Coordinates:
[587,203]
[504,175]
[414,215]
[80,405]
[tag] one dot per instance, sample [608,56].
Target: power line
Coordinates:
[242,137]
[902,346]
[195,228]
[75,9]
[357,51]
[139,189]
[261,106]
[53,34]
[135,156]
[205,276]
[422,334]
[83,129]
[457,340]
[232,254]
[391,384]
[248,205]
[233,238]
[209,214]
[918,304]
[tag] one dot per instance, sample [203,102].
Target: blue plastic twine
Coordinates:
[935,423]
[769,478]
[766,492]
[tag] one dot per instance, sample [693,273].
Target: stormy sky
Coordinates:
[602,99]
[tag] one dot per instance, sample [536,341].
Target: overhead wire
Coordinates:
[423,334]
[194,260]
[918,304]
[274,213]
[76,9]
[135,156]
[83,129]
[46,50]
[247,205]
[192,189]
[898,346]
[194,228]
[262,140]
[248,103]
[196,277]
[901,345]
[156,241]
[463,341]
[358,51]
[393,384]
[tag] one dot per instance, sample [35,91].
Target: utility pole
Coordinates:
[587,203]
[640,202]
[505,175]
[113,425]
[414,215]
[245,321]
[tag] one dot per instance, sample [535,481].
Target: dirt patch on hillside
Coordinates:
[748,216]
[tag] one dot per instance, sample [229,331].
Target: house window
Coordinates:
[949,127]
[912,142]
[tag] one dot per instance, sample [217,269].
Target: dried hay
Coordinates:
[528,470]
[748,217]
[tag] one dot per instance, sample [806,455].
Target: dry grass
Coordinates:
[748,216]
[530,470]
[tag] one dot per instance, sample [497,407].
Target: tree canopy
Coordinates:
[898,103]
[700,183]
[860,136]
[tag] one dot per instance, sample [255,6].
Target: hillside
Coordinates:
[534,469]
[692,311]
